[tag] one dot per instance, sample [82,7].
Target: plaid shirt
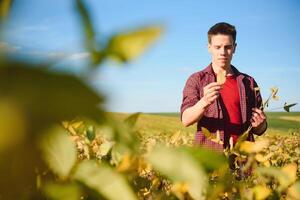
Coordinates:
[213,118]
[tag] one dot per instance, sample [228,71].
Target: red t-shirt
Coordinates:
[231,99]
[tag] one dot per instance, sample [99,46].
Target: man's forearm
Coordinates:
[194,113]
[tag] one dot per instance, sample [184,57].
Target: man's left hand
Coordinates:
[258,118]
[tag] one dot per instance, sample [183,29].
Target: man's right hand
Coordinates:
[195,112]
[211,93]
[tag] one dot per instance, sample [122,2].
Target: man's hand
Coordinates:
[211,93]
[258,121]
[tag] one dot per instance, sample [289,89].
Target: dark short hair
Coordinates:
[222,28]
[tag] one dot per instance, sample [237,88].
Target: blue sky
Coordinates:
[267,38]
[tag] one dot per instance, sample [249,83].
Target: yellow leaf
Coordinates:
[261,192]
[175,138]
[260,158]
[274,91]
[291,171]
[127,46]
[254,147]
[77,124]
[143,167]
[217,139]
[294,192]
[266,163]
[206,132]
[247,146]
[180,189]
[128,162]
[221,77]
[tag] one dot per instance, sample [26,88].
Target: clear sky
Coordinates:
[267,37]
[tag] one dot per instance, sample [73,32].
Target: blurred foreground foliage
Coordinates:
[57,141]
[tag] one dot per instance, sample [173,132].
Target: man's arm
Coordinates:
[195,112]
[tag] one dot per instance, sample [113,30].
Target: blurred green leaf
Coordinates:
[208,159]
[58,151]
[132,119]
[48,97]
[58,191]
[287,107]
[124,135]
[128,46]
[4,8]
[89,33]
[104,180]
[13,125]
[181,167]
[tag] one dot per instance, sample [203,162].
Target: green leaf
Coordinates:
[208,159]
[124,135]
[181,167]
[58,151]
[58,191]
[287,107]
[132,119]
[48,97]
[104,180]
[90,133]
[89,34]
[128,46]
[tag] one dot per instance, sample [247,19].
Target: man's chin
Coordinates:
[224,64]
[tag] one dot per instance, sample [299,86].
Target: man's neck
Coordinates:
[217,69]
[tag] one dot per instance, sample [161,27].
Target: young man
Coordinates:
[227,108]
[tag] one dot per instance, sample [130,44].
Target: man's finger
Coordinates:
[212,85]
[260,112]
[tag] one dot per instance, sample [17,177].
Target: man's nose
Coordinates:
[222,51]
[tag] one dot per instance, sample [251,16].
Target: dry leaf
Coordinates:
[221,77]
[261,192]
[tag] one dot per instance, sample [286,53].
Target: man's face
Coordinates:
[221,49]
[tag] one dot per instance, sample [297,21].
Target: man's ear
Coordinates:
[209,47]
